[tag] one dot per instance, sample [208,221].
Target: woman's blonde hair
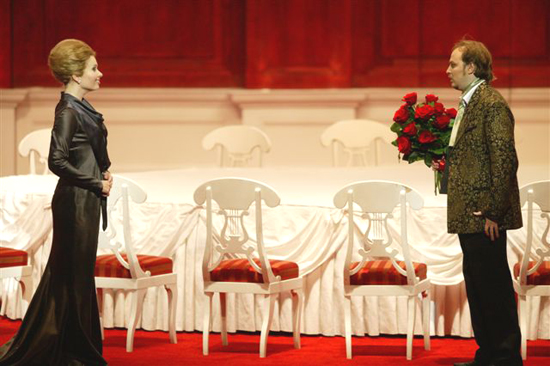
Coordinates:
[68,58]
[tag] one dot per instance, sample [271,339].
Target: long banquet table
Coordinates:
[305,228]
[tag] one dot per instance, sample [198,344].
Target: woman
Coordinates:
[61,326]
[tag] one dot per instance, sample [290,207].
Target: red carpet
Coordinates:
[153,348]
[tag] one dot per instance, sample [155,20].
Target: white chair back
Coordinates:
[234,196]
[535,193]
[377,200]
[238,142]
[356,137]
[123,190]
[36,145]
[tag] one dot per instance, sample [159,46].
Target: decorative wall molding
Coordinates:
[162,128]
[10,99]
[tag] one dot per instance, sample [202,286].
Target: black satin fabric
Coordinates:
[61,326]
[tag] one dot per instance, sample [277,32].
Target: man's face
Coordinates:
[459,74]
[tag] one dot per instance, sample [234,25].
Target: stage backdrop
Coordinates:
[275,43]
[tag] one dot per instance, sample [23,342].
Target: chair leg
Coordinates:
[137,306]
[411,305]
[99,294]
[26,292]
[26,288]
[523,324]
[347,325]
[426,319]
[206,322]
[223,312]
[266,324]
[297,297]
[172,291]
[529,302]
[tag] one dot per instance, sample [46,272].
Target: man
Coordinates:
[483,202]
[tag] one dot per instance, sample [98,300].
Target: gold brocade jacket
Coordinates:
[483,167]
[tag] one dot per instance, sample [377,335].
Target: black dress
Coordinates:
[61,326]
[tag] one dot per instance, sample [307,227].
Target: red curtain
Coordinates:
[276,43]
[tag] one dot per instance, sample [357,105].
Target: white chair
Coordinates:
[36,145]
[238,142]
[376,267]
[356,137]
[126,270]
[532,272]
[14,264]
[252,272]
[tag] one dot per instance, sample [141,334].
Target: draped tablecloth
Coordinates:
[305,228]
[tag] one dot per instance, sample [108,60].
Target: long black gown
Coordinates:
[61,326]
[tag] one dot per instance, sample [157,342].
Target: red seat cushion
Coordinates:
[382,272]
[109,266]
[541,275]
[12,257]
[240,270]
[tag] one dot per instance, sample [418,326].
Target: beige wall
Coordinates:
[152,129]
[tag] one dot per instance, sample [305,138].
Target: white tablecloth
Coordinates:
[306,228]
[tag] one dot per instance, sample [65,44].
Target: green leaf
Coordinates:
[414,156]
[428,160]
[396,127]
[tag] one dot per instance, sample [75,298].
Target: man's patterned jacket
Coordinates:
[483,167]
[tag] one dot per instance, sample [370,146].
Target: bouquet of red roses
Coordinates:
[423,132]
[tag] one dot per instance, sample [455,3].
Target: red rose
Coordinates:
[410,129]
[451,112]
[410,98]
[431,98]
[404,145]
[424,112]
[442,164]
[442,121]
[401,115]
[426,137]
[439,109]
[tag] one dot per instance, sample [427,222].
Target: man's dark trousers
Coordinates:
[491,298]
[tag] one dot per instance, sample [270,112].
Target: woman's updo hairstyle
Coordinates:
[68,58]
